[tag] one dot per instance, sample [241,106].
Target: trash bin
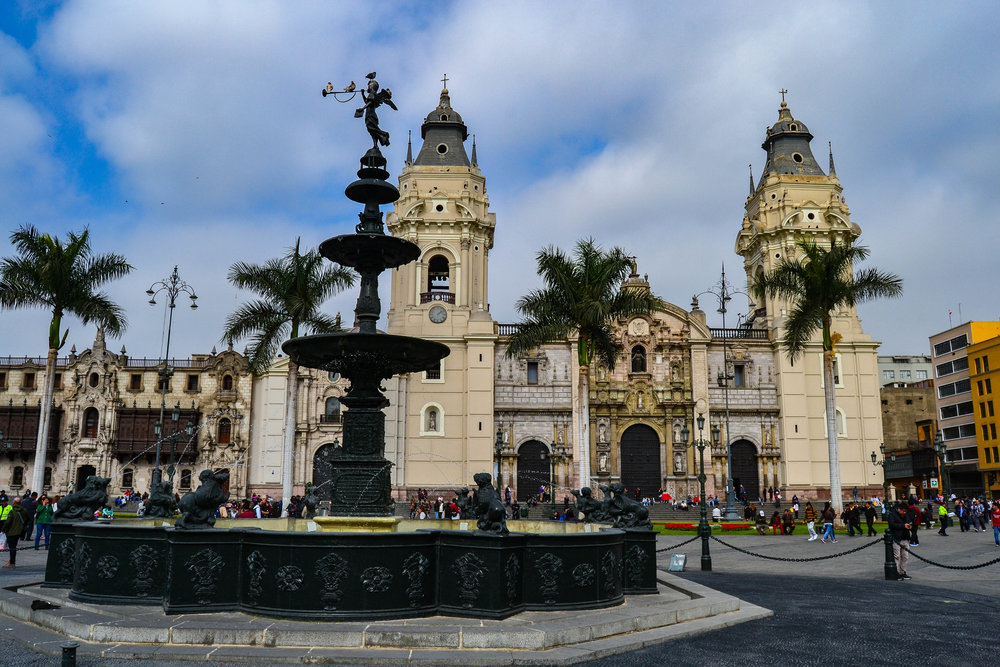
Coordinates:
[524,512]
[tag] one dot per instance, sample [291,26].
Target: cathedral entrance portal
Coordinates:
[640,457]
[532,469]
[745,468]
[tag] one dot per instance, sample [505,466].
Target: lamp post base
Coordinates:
[732,512]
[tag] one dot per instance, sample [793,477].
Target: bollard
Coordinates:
[69,654]
[891,574]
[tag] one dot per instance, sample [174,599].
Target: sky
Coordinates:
[194,134]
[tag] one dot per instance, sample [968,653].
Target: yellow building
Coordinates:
[984,373]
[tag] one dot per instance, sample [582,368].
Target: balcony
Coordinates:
[329,419]
[741,332]
[446,297]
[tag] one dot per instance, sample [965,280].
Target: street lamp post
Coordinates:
[723,292]
[941,450]
[173,287]
[704,530]
[497,453]
[885,477]
[175,416]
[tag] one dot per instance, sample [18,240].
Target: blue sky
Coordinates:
[193,133]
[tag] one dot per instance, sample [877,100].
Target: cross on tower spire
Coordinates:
[444,80]
[783,92]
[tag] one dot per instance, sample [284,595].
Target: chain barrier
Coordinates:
[798,560]
[676,546]
[949,567]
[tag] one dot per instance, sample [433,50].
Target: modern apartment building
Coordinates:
[954,401]
[903,368]
[984,372]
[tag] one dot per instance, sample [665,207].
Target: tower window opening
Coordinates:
[442,149]
[793,127]
[797,157]
[444,116]
[439,208]
[90,421]
[437,275]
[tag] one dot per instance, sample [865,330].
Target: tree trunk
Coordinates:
[41,444]
[830,394]
[584,425]
[288,450]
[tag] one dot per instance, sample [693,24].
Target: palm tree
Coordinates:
[292,289]
[815,286]
[64,278]
[583,294]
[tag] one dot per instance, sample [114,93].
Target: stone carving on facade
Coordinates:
[602,462]
[678,463]
[602,431]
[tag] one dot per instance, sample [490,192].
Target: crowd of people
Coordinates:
[24,516]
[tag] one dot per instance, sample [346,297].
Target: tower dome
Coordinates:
[444,134]
[787,146]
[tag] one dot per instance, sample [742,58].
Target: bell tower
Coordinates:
[444,209]
[794,200]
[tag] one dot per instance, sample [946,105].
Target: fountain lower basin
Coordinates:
[376,568]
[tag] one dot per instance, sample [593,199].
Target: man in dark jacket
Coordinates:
[870,517]
[30,505]
[899,528]
[14,527]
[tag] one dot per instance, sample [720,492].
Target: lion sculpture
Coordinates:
[82,505]
[492,517]
[198,507]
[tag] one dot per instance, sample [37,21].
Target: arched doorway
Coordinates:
[640,460]
[323,469]
[745,468]
[532,469]
[82,473]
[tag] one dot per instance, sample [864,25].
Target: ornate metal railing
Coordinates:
[447,297]
[174,363]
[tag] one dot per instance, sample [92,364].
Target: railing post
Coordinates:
[891,574]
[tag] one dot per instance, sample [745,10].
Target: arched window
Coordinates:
[91,419]
[638,359]
[332,413]
[437,274]
[227,382]
[185,479]
[47,478]
[432,420]
[225,431]
[127,475]
[94,379]
[17,477]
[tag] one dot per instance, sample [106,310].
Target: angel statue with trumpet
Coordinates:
[373,98]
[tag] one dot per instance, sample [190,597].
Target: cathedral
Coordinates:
[483,410]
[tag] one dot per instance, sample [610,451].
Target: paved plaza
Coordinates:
[834,611]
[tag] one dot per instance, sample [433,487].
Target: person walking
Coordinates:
[870,517]
[995,516]
[899,529]
[13,528]
[811,521]
[30,505]
[915,520]
[43,522]
[943,516]
[828,516]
